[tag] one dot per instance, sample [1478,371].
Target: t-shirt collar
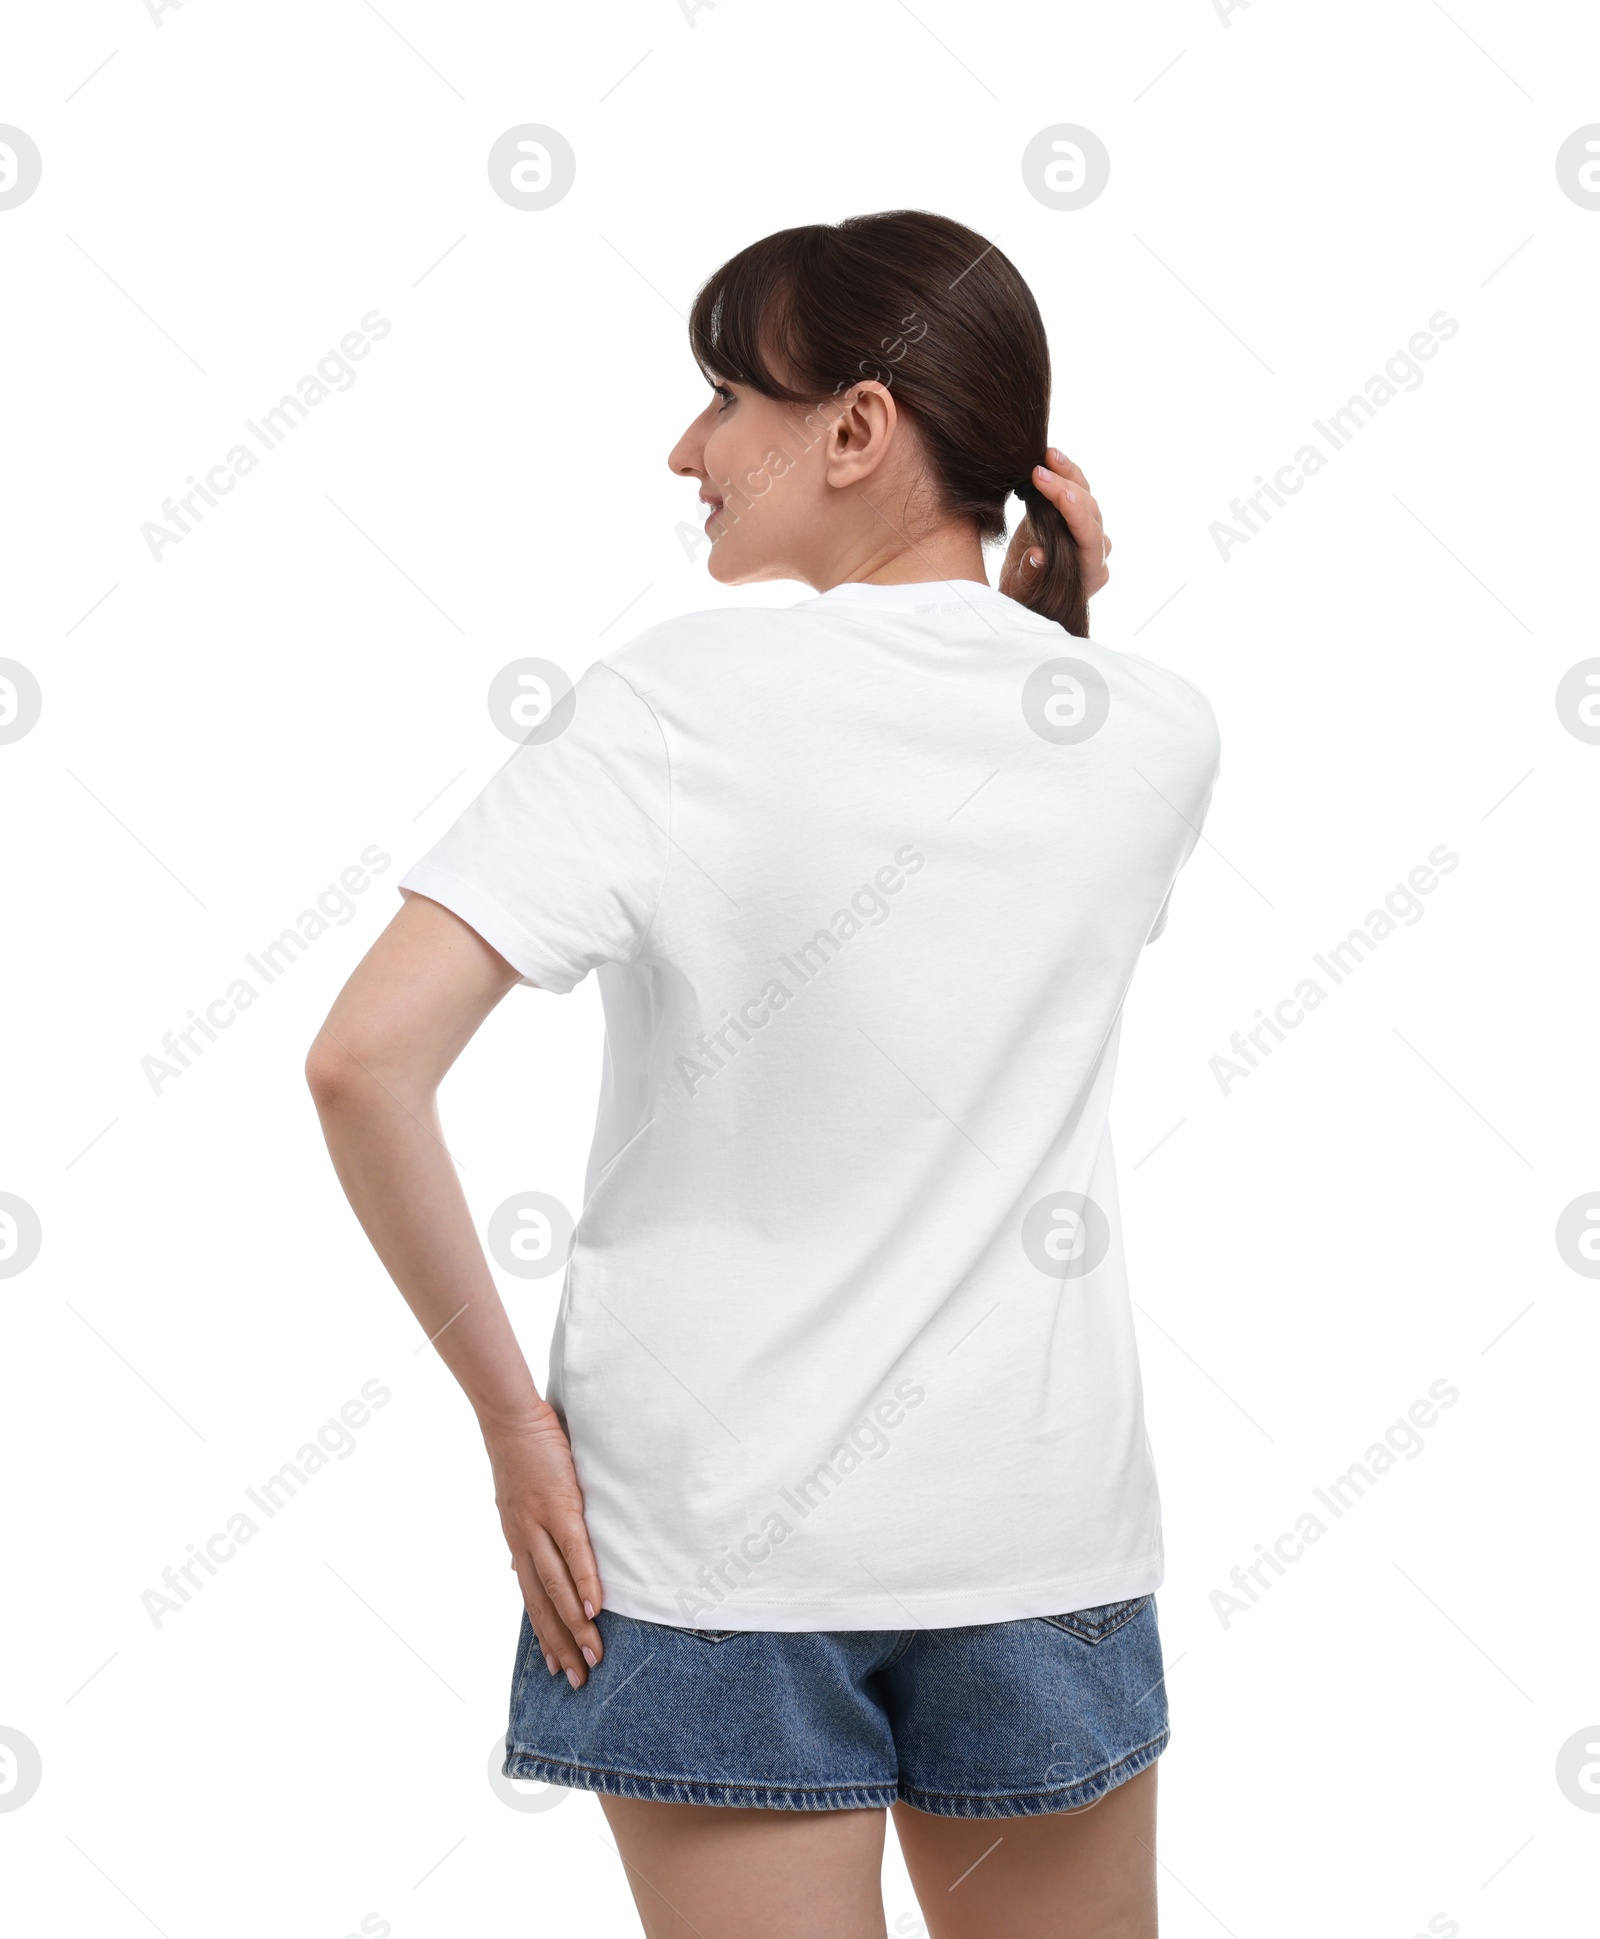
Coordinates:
[903,599]
[928,598]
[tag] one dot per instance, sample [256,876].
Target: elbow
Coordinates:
[363,1069]
[327,1071]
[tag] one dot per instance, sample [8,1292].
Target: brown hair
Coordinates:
[930,309]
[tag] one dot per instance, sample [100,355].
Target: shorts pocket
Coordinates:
[528,1654]
[1095,1625]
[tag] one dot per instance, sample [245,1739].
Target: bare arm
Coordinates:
[406,1014]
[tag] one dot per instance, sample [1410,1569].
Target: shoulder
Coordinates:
[1188,705]
[693,647]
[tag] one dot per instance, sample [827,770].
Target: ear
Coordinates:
[860,435]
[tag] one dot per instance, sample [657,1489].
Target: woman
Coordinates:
[841,1497]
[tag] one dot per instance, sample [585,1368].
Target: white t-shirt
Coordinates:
[845,1340]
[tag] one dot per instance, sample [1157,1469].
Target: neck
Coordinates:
[888,556]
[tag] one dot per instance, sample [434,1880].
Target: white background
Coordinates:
[1294,192]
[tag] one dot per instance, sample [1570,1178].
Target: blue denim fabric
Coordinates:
[1002,1720]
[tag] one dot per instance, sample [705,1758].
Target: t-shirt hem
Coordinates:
[933,1609]
[495,925]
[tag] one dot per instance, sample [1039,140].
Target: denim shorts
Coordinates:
[1002,1720]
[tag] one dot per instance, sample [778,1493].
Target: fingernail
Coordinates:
[1041,471]
[572,1678]
[588,1610]
[1059,455]
[551,1665]
[1035,558]
[589,1656]
[1069,494]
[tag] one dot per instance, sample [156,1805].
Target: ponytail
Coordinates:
[1054,589]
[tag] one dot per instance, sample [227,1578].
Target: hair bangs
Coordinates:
[742,326]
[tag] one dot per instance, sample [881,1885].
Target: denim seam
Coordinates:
[1134,1610]
[911,1792]
[908,1637]
[867,1794]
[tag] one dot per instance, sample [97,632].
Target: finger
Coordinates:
[547,1627]
[1064,467]
[1058,462]
[573,1542]
[572,1581]
[556,1644]
[1082,514]
[551,1662]
[1076,505]
[556,1580]
[544,1623]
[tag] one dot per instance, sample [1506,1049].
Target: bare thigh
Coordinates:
[706,1871]
[1087,1874]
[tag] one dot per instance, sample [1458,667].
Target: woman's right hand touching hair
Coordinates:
[941,318]
[1063,484]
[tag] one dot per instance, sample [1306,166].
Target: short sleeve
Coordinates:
[1195,827]
[560,861]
